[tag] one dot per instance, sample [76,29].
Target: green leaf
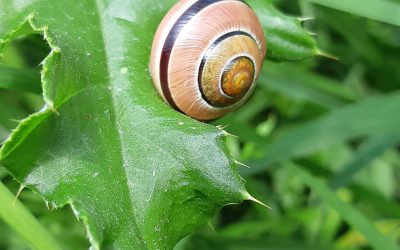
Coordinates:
[368,117]
[287,40]
[22,221]
[139,174]
[13,26]
[379,10]
[304,86]
[368,152]
[357,220]
[10,112]
[25,80]
[247,243]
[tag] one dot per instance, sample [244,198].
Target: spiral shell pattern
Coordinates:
[206,56]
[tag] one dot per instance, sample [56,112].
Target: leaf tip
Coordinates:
[222,127]
[327,55]
[227,134]
[305,19]
[18,193]
[311,33]
[212,228]
[241,164]
[249,197]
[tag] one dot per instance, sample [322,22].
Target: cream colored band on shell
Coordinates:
[191,43]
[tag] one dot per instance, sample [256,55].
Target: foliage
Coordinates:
[320,136]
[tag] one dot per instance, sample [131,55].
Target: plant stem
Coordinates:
[23,222]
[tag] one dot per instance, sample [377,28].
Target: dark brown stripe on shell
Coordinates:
[170,42]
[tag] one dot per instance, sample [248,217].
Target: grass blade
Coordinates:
[23,222]
[379,10]
[367,117]
[352,216]
[368,152]
[303,85]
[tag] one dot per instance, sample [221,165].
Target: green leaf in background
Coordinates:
[24,80]
[140,175]
[351,215]
[299,85]
[370,116]
[240,243]
[23,222]
[286,38]
[374,147]
[380,10]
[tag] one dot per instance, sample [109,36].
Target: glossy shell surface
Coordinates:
[206,56]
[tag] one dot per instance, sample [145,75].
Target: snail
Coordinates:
[206,56]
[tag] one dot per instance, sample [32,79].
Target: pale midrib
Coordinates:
[115,120]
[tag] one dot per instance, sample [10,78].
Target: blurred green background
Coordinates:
[319,136]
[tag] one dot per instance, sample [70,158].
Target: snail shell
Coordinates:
[206,56]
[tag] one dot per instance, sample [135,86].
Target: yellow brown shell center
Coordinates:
[228,88]
[237,77]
